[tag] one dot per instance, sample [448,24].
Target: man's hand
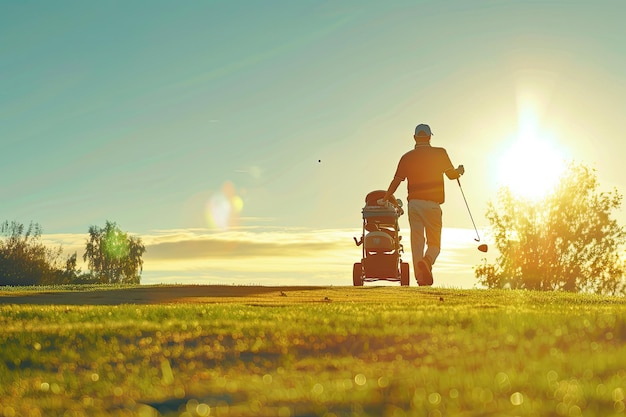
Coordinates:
[461,170]
[387,202]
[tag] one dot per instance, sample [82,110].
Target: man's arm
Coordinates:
[392,189]
[454,173]
[451,172]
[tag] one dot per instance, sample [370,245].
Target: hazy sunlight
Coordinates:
[532,165]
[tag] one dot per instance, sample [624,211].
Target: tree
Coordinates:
[566,241]
[113,256]
[25,260]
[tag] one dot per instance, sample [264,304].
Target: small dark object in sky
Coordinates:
[319,160]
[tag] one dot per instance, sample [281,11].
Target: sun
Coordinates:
[532,165]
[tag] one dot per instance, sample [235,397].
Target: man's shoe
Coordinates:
[418,276]
[426,273]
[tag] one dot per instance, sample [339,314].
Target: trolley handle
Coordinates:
[388,204]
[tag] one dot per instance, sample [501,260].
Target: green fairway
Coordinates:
[337,351]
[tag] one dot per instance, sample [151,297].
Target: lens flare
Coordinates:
[223,207]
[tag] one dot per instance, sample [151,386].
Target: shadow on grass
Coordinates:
[165,294]
[176,406]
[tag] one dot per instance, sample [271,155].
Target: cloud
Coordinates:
[245,242]
[208,248]
[254,171]
[252,255]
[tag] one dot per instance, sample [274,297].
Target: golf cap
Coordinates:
[423,130]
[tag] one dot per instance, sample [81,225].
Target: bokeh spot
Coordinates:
[223,207]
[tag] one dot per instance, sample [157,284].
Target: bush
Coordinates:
[25,260]
[567,241]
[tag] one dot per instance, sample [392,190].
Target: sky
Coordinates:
[239,138]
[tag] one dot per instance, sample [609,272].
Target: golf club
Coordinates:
[483,247]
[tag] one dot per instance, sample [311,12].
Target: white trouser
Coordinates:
[425,218]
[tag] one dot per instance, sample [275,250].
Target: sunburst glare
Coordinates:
[533,163]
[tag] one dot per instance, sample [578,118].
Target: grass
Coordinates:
[372,351]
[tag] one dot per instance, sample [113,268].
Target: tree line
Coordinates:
[112,256]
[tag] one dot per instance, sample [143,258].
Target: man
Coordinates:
[424,167]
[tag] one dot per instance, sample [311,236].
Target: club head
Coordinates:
[483,248]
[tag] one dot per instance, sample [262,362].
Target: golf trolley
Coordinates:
[381,243]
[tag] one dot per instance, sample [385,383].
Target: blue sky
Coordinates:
[215,116]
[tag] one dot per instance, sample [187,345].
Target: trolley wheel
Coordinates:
[357,274]
[405,277]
